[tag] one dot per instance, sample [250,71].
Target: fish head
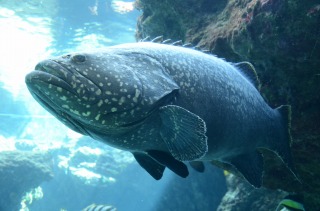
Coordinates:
[102,91]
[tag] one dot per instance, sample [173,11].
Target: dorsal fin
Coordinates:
[177,43]
[197,47]
[145,39]
[187,45]
[158,39]
[166,41]
[205,51]
[248,69]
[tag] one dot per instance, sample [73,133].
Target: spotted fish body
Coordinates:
[165,104]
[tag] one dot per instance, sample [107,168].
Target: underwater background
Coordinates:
[46,166]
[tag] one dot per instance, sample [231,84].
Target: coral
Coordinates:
[20,172]
[29,197]
[93,163]
[242,196]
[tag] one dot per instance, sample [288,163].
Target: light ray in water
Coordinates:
[27,116]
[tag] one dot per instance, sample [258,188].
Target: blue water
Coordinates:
[83,171]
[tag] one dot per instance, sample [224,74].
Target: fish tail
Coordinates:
[283,148]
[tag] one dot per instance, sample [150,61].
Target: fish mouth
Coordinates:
[49,72]
[65,118]
[39,82]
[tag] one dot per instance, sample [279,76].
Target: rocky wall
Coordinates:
[281,38]
[19,173]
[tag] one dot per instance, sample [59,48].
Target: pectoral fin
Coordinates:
[183,132]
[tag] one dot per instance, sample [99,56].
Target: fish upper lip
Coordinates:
[44,72]
[47,66]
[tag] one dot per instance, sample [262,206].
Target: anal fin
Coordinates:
[154,168]
[250,165]
[197,165]
[167,160]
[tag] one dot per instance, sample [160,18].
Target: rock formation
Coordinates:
[19,173]
[282,40]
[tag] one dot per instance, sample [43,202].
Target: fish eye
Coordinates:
[78,58]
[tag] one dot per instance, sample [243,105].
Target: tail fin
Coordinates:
[283,150]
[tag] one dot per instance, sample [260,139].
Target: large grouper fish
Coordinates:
[166,105]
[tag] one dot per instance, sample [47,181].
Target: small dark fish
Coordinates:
[95,207]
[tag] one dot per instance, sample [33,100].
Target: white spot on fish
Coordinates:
[64,98]
[122,100]
[98,92]
[100,103]
[74,85]
[97,117]
[108,93]
[86,114]
[75,112]
[136,96]
[114,109]
[135,99]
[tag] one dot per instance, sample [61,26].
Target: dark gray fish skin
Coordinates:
[147,97]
